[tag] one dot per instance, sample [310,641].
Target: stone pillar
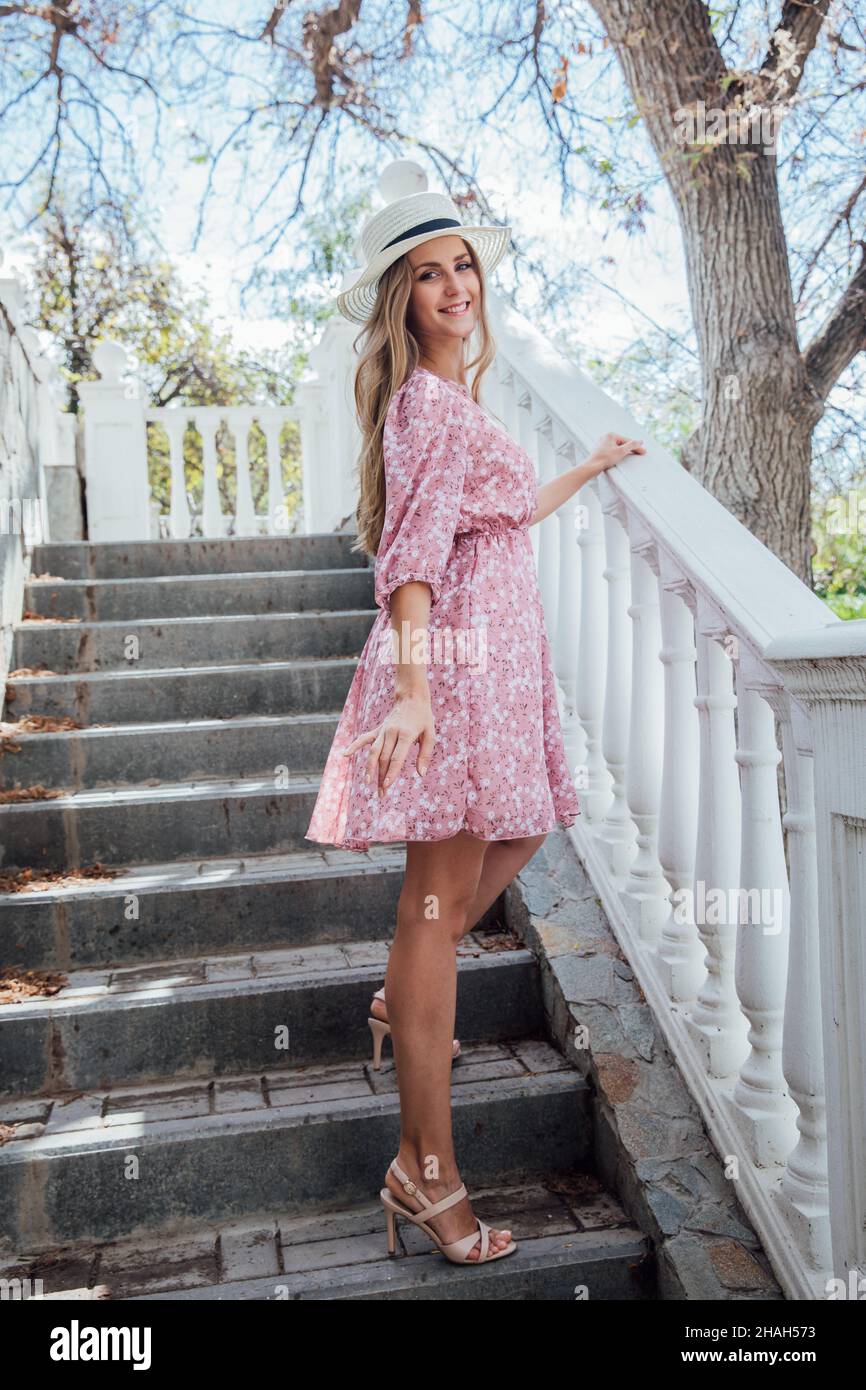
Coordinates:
[115,451]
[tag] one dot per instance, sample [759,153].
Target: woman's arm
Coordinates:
[612,449]
[410,719]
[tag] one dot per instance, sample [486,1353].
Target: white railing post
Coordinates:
[592,655]
[802,1195]
[716,1023]
[566,643]
[245,512]
[115,451]
[645,895]
[335,462]
[179,522]
[825,670]
[764,1112]
[679,953]
[617,834]
[548,529]
[213,517]
[271,423]
[311,398]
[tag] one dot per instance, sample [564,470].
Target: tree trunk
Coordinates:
[752,449]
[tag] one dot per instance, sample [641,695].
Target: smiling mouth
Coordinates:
[455,310]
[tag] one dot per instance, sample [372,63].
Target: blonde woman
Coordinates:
[450,738]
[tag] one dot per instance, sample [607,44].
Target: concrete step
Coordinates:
[173,911]
[574,1240]
[220,691]
[153,559]
[130,826]
[115,1162]
[221,1015]
[177,749]
[174,642]
[189,596]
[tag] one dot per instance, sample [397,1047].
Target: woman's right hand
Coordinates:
[612,449]
[410,721]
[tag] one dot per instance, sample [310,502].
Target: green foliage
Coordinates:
[839,557]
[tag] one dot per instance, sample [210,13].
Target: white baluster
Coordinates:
[522,427]
[765,1114]
[212,519]
[271,424]
[245,515]
[548,540]
[566,643]
[595,786]
[715,1023]
[646,892]
[680,955]
[803,1194]
[174,423]
[617,833]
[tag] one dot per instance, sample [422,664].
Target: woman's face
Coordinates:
[445,290]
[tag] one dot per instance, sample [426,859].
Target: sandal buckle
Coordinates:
[410,1187]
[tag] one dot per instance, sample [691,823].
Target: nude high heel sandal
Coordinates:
[457,1251]
[380,1029]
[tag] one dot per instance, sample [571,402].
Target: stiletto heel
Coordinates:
[380,1029]
[391,1222]
[457,1251]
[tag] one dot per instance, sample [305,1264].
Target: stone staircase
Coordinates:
[187,1103]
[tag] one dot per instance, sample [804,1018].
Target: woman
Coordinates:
[450,737]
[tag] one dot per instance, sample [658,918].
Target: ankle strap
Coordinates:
[430,1208]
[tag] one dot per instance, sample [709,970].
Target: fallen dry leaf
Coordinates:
[16,985]
[31,881]
[34,793]
[29,617]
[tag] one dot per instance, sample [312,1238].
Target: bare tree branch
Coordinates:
[801,20]
[842,336]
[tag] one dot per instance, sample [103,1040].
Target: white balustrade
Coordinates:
[678,642]
[121,435]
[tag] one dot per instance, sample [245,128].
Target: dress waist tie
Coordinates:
[491,528]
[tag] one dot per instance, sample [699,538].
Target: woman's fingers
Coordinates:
[389,743]
[359,742]
[426,744]
[373,757]
[389,746]
[398,758]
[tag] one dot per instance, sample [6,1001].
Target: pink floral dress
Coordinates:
[459,495]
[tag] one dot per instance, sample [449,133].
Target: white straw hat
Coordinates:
[411,215]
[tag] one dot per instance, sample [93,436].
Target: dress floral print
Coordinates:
[459,495]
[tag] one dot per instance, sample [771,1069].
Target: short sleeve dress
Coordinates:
[459,496]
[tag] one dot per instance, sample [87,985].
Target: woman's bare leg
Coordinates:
[441,883]
[503,860]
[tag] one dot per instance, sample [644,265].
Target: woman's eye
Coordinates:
[464,265]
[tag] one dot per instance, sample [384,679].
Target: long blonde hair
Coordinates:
[389,355]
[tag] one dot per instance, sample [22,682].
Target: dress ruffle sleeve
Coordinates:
[426,454]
